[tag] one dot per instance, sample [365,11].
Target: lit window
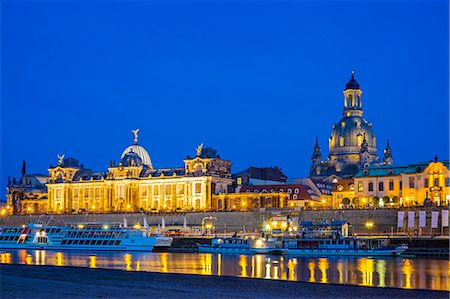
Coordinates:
[341,141]
[360,187]
[352,187]
[340,188]
[198,188]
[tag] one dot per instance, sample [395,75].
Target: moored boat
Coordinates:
[240,245]
[334,239]
[81,236]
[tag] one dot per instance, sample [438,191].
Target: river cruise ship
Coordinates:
[81,236]
[333,239]
[242,245]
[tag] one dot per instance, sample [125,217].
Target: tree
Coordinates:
[386,199]
[396,199]
[376,201]
[346,201]
[355,200]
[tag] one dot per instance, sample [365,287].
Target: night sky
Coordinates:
[258,81]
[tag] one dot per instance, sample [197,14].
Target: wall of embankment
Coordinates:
[384,220]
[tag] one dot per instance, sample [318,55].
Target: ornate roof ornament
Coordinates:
[60,158]
[135,132]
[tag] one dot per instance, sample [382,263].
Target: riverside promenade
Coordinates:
[23,281]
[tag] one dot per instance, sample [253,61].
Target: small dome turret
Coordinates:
[352,84]
[131,159]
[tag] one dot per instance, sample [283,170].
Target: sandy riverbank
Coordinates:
[23,281]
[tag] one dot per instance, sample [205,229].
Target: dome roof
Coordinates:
[352,84]
[138,151]
[348,135]
[131,159]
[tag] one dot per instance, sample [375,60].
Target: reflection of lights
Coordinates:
[105,226]
[243,265]
[137,226]
[5,258]
[267,270]
[312,276]
[59,259]
[407,270]
[80,226]
[219,264]
[40,257]
[268,226]
[164,262]
[259,260]
[128,262]
[323,266]
[366,267]
[92,261]
[138,265]
[340,268]
[381,270]
[206,260]
[292,263]
[29,259]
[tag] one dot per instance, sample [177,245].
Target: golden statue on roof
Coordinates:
[60,158]
[199,149]
[135,132]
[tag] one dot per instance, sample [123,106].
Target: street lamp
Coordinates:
[369,226]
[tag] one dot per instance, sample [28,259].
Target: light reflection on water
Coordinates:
[365,271]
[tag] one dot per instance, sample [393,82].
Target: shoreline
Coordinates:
[25,281]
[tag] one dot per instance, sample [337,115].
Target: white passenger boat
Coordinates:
[343,246]
[242,246]
[334,239]
[81,236]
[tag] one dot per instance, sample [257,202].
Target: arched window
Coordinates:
[296,191]
[341,141]
[352,187]
[360,139]
[289,191]
[340,188]
[295,196]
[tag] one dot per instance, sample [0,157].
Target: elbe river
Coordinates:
[398,272]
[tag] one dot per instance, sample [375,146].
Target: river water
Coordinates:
[407,273]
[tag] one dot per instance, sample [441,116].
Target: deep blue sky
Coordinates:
[256,81]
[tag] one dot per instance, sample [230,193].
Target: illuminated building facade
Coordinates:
[132,185]
[352,144]
[426,183]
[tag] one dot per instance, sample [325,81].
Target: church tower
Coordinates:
[388,159]
[352,143]
[316,159]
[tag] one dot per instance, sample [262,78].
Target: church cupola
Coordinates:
[388,158]
[352,98]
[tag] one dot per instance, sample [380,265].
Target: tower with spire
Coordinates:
[316,158]
[388,159]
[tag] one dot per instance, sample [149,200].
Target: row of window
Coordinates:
[289,191]
[411,184]
[94,234]
[91,242]
[9,238]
